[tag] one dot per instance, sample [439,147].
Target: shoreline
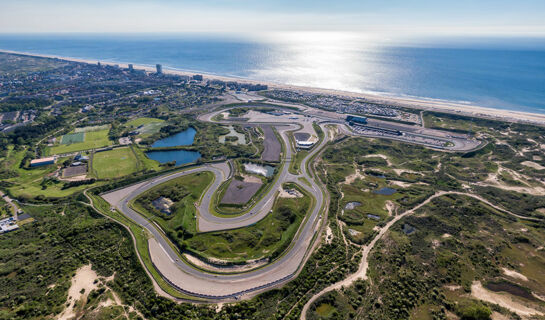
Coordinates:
[418,103]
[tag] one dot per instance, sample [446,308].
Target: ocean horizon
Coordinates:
[498,73]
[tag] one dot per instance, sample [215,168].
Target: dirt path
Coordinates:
[379,155]
[474,196]
[339,222]
[364,264]
[362,270]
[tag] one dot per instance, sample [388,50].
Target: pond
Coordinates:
[183,138]
[352,205]
[376,174]
[241,139]
[385,191]
[512,288]
[180,156]
[373,216]
[265,171]
[408,229]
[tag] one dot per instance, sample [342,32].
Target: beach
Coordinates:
[437,105]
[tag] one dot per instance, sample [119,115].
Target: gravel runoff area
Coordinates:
[271,145]
[74,171]
[240,192]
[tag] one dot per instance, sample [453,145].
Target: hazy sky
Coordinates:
[414,17]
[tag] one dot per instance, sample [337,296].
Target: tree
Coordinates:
[475,311]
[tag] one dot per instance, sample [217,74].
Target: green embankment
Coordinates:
[267,238]
[184,192]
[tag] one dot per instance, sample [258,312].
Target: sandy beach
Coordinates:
[454,107]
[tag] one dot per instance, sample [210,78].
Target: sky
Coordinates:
[385,17]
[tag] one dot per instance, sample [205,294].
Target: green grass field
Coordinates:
[18,64]
[148,125]
[141,243]
[72,138]
[295,165]
[114,163]
[141,121]
[92,140]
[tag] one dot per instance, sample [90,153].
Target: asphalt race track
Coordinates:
[218,287]
[227,287]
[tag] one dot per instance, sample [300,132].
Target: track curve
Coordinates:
[228,287]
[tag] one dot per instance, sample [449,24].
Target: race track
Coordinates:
[219,287]
[227,287]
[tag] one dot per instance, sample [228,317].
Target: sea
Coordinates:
[502,73]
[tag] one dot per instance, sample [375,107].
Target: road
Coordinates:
[229,287]
[15,208]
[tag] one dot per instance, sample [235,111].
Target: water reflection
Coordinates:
[325,60]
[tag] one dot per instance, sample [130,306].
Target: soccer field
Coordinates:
[90,140]
[114,163]
[72,138]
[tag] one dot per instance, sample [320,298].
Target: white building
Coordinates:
[305,144]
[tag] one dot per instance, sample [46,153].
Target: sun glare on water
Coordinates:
[333,60]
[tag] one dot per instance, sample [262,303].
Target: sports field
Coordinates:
[80,141]
[114,163]
[72,138]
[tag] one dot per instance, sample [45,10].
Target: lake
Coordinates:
[180,156]
[184,138]
[385,191]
